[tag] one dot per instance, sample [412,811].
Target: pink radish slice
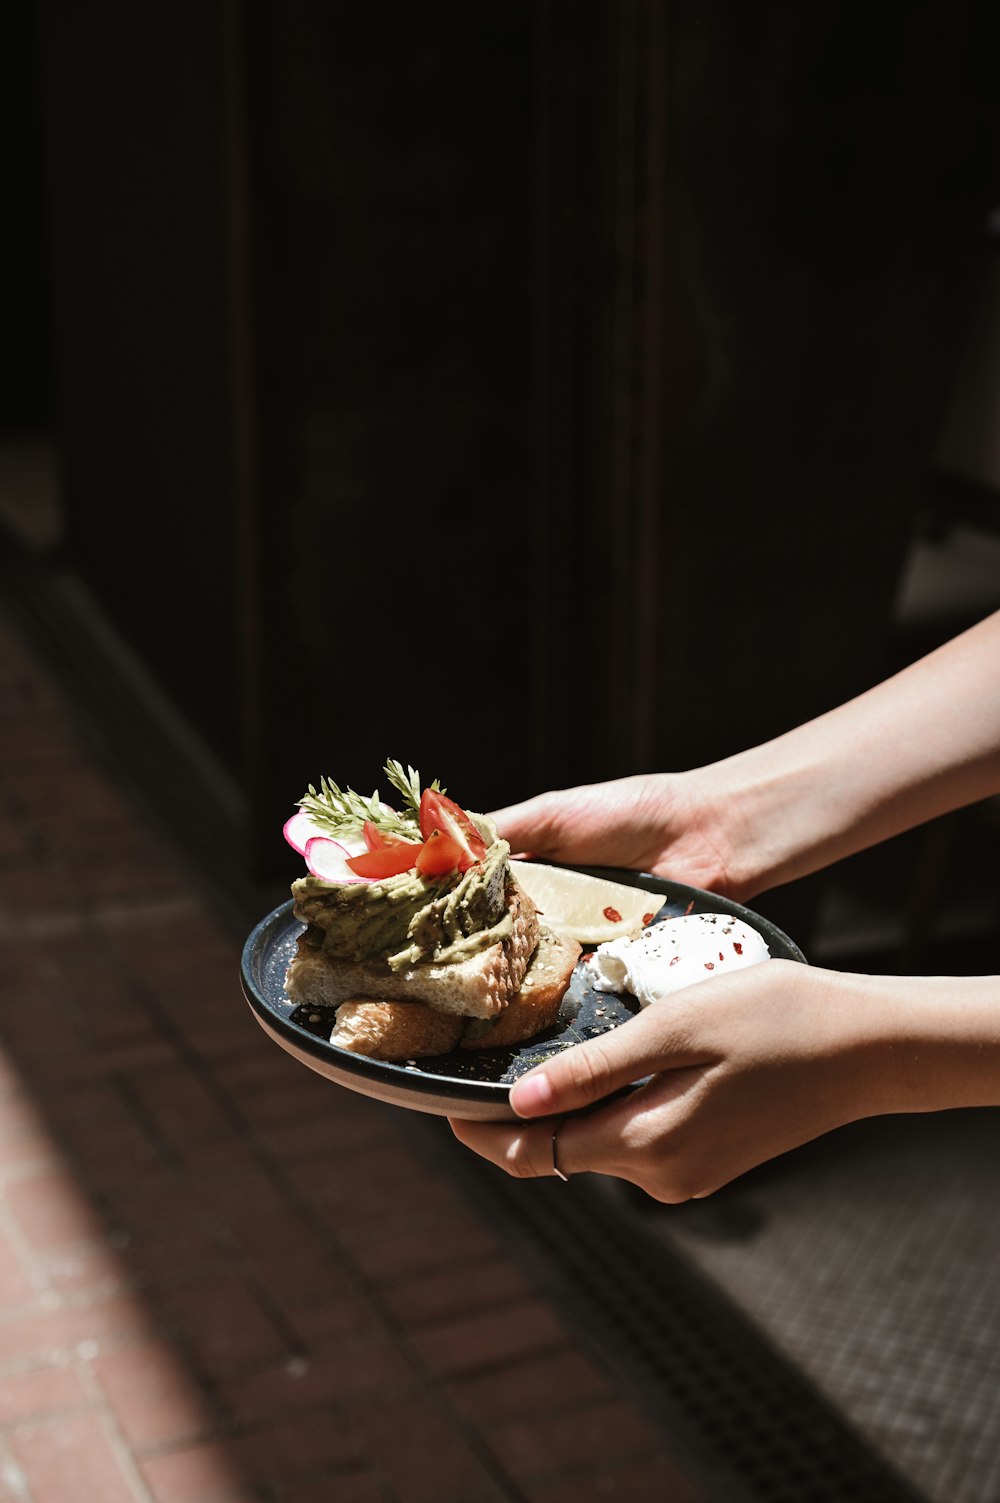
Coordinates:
[327,859]
[300,829]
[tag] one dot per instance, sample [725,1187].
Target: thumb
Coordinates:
[527,826]
[590,1071]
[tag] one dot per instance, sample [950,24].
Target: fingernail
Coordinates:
[531,1094]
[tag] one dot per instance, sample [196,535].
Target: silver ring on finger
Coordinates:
[555,1155]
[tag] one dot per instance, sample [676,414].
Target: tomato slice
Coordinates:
[380,840]
[376,839]
[439,854]
[386,860]
[440,813]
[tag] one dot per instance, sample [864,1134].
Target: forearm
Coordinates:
[922,1043]
[918,745]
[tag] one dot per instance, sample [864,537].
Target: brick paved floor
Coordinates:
[220,1277]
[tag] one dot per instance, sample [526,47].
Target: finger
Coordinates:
[654,1040]
[643,1137]
[631,1138]
[527,825]
[523,1151]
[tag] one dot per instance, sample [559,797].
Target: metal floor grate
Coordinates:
[748,1423]
[872,1261]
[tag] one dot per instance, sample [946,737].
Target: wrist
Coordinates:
[759,819]
[786,812]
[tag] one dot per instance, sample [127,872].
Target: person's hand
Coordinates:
[660,823]
[743,1067]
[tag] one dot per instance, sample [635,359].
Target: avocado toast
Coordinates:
[418,938]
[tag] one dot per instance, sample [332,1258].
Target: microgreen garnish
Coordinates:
[341,811]
[407,784]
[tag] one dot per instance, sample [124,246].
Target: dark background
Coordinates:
[532,392]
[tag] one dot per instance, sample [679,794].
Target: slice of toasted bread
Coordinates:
[478,987]
[394,1030]
[536,1006]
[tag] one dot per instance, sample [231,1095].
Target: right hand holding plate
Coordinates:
[744,1067]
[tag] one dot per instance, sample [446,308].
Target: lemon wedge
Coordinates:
[584,908]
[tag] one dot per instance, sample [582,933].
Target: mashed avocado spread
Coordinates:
[409,919]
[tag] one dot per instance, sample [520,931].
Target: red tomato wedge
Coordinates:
[377,840]
[439,854]
[385,861]
[438,813]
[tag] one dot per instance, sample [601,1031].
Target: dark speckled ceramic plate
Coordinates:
[467,1083]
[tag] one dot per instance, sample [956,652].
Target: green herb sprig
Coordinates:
[407,784]
[342,812]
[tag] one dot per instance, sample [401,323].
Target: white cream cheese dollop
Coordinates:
[675,954]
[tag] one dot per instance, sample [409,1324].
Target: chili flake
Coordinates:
[612,915]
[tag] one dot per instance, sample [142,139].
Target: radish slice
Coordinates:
[300,829]
[327,859]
